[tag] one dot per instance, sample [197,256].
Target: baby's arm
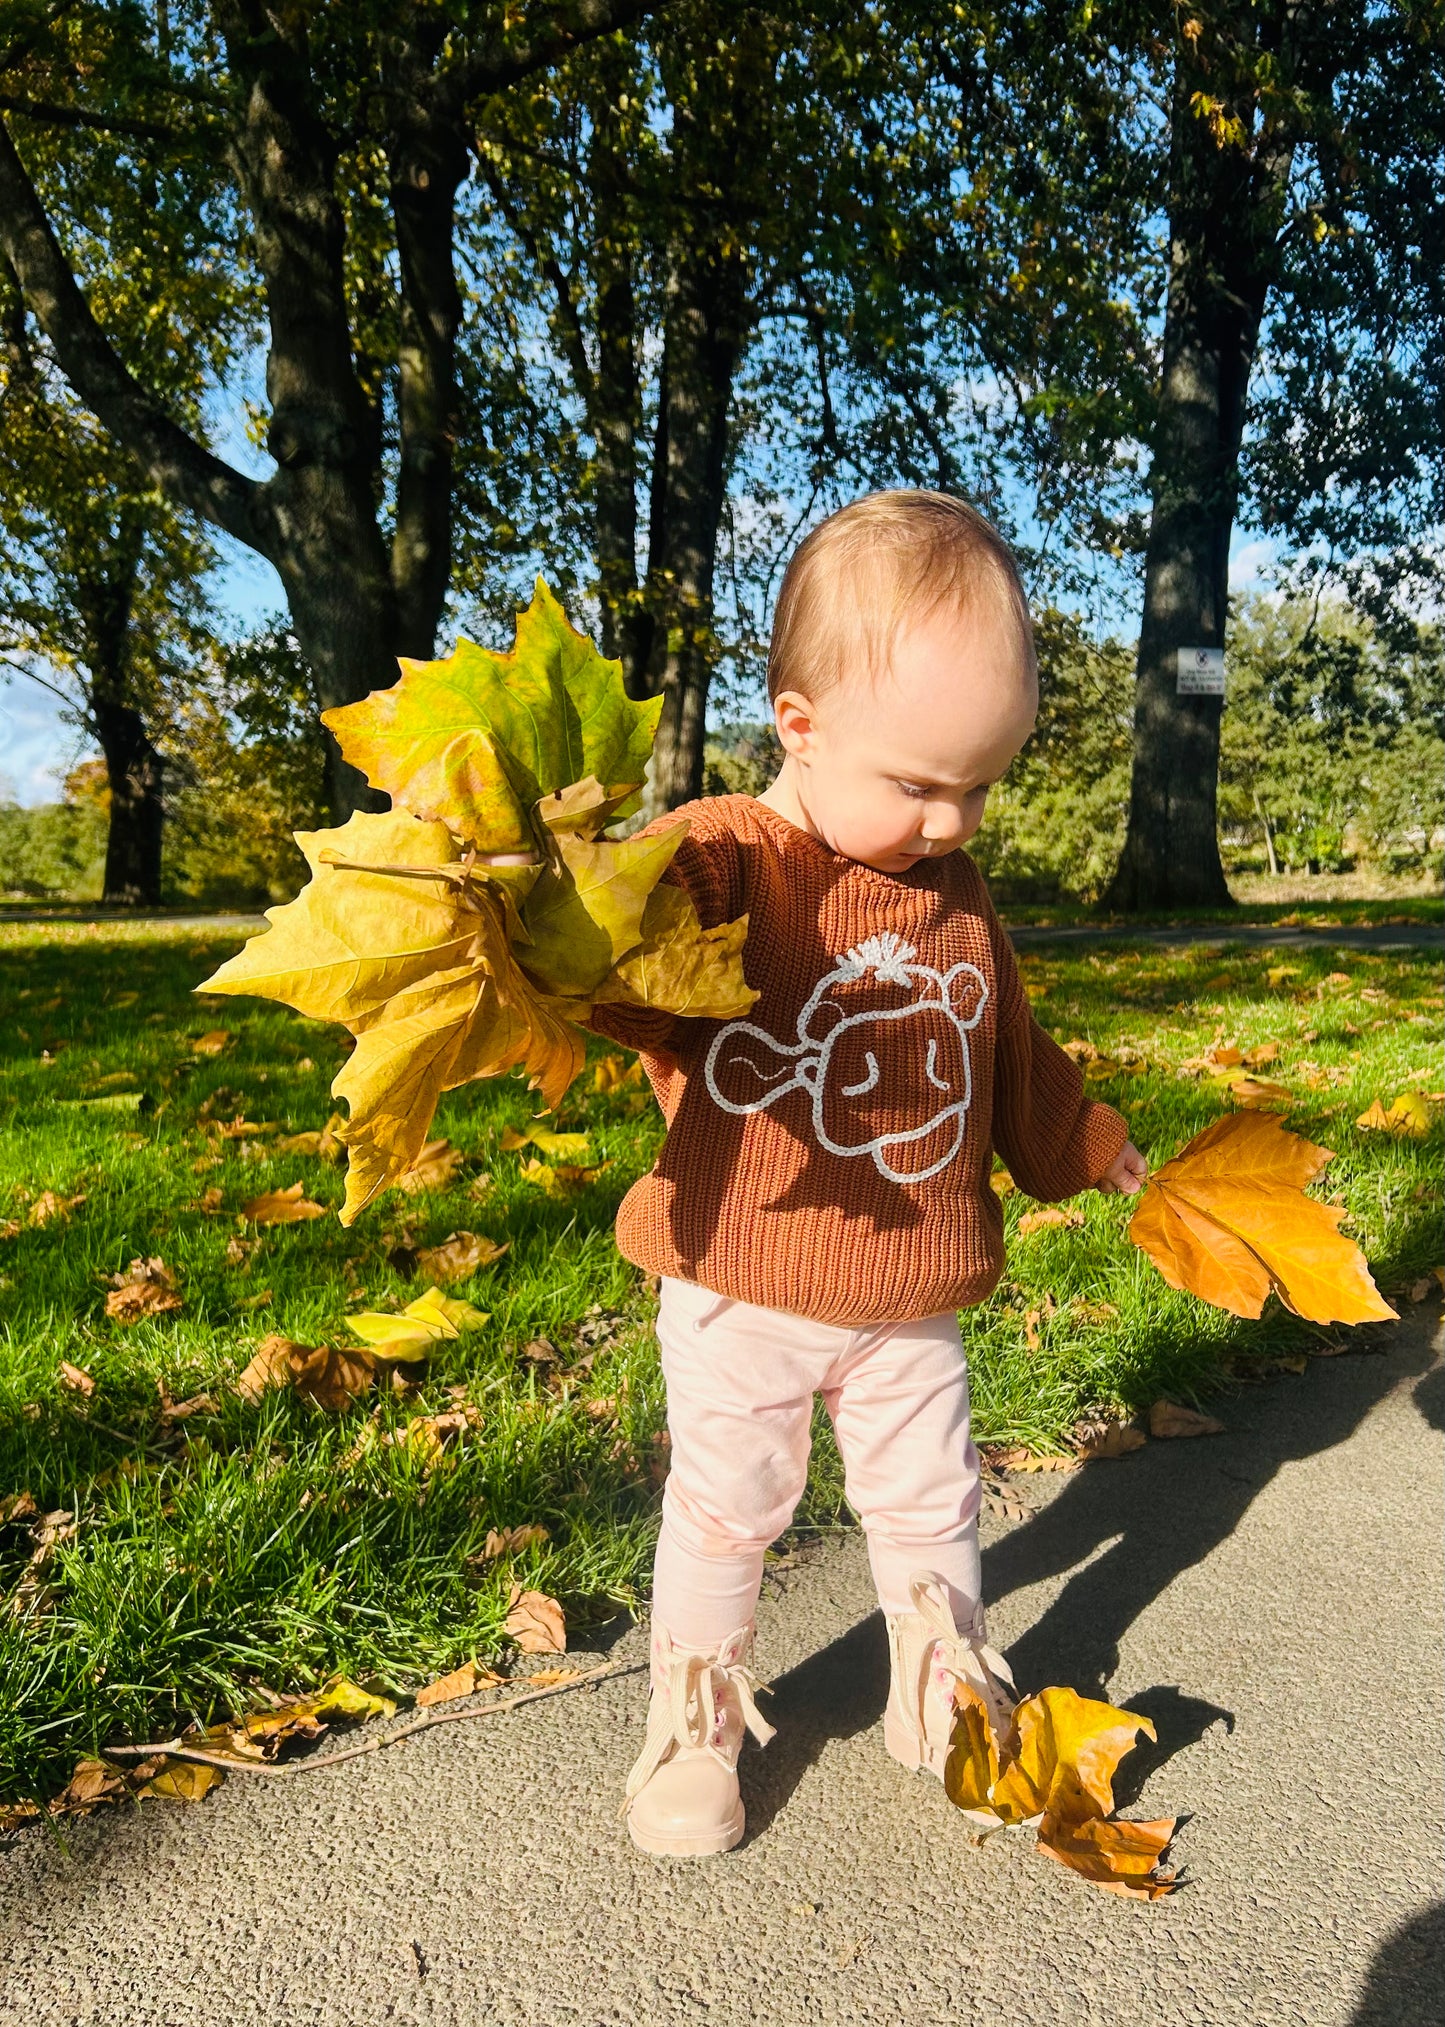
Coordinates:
[1055,1140]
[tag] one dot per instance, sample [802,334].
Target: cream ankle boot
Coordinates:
[682,1795]
[926,1654]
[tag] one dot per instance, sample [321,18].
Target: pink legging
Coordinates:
[740,1386]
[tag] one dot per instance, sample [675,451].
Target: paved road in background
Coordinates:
[1371,936]
[1270,1597]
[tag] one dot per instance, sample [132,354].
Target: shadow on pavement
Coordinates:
[1143,1522]
[1406,1983]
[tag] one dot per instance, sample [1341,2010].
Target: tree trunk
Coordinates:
[1226,201]
[135,772]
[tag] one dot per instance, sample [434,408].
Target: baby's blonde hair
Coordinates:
[851,583]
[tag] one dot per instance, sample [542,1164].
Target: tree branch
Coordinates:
[570,26]
[573,341]
[184,470]
[73,116]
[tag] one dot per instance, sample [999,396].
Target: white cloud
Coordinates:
[37,748]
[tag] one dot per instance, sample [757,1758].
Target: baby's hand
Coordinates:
[1126,1174]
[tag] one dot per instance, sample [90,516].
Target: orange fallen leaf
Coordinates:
[148,1288]
[211,1043]
[324,1141]
[1168,1418]
[1256,1093]
[1035,1221]
[549,1678]
[448,1688]
[282,1207]
[535,1622]
[79,1381]
[1227,1220]
[1120,1857]
[1002,1183]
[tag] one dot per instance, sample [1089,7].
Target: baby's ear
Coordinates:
[966,992]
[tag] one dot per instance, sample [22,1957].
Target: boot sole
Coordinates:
[700,1844]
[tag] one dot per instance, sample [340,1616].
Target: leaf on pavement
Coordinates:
[282,1207]
[182,1781]
[535,1622]
[1103,1441]
[463,1681]
[1168,1418]
[1054,1772]
[147,1288]
[1227,1220]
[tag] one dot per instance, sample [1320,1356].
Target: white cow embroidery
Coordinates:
[836,1056]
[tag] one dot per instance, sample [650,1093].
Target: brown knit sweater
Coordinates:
[829,1153]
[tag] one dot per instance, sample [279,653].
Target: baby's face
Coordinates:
[899,772]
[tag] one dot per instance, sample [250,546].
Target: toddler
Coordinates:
[821,1207]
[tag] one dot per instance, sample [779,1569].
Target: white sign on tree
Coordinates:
[1201,672]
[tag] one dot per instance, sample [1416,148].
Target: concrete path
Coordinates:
[1271,1598]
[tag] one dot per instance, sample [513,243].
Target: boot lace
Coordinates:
[966,1654]
[698,1686]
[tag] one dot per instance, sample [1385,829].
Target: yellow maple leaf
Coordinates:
[411,1332]
[1227,1220]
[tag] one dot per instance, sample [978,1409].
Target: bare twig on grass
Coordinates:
[178,1749]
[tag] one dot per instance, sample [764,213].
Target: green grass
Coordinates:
[241,1549]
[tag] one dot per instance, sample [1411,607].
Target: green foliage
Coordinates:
[740,759]
[54,851]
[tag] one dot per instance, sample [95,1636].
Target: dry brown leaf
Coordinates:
[1428,1284]
[182,1781]
[1102,1442]
[512,1540]
[76,1379]
[549,1678]
[324,1141]
[48,1206]
[459,1255]
[148,1288]
[1257,1094]
[1002,1183]
[282,1207]
[181,1411]
[210,1200]
[1227,1220]
[433,1168]
[329,1376]
[448,1688]
[1054,1214]
[1168,1418]
[211,1043]
[535,1622]
[1261,1054]
[1080,1050]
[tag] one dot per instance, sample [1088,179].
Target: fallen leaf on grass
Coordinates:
[560,1146]
[615,1073]
[1278,973]
[1054,1773]
[535,1622]
[78,1381]
[329,1376]
[181,1411]
[410,1333]
[210,1200]
[49,1206]
[1227,1220]
[433,1168]
[148,1288]
[512,1540]
[1168,1418]
[1258,1093]
[1002,1183]
[16,1506]
[282,1207]
[459,1254]
[1035,1221]
[1407,1117]
[324,1141]
[1428,1284]
[561,1178]
[211,1043]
